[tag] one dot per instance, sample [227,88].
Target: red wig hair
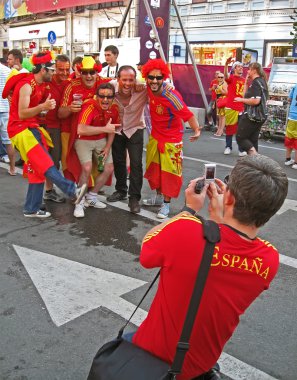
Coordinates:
[155,64]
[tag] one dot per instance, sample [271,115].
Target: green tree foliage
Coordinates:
[293,33]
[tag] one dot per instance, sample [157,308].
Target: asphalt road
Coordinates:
[66,285]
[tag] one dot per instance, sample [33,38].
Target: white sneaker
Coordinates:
[242,154]
[164,211]
[5,159]
[294,166]
[94,202]
[227,151]
[290,162]
[79,210]
[155,200]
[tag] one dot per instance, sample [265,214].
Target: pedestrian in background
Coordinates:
[221,93]
[291,130]
[248,130]
[233,109]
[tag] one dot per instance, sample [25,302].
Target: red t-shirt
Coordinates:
[51,119]
[92,114]
[76,86]
[239,272]
[15,124]
[213,93]
[235,89]
[167,112]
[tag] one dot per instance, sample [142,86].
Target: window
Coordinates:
[106,33]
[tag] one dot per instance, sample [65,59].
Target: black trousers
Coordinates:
[248,133]
[134,145]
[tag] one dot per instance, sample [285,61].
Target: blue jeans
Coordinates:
[2,149]
[35,190]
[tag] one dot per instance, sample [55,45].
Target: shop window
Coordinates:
[214,53]
[106,33]
[276,49]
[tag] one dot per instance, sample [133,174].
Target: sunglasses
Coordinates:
[87,72]
[152,77]
[106,96]
[220,77]
[50,69]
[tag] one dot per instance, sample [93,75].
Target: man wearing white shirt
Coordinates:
[4,114]
[111,54]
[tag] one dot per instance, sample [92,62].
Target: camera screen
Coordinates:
[210,172]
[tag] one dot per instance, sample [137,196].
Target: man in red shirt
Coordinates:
[164,150]
[96,126]
[243,265]
[52,122]
[70,106]
[212,103]
[233,109]
[31,140]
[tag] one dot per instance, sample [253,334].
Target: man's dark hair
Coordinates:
[62,58]
[16,54]
[106,86]
[113,49]
[76,60]
[259,186]
[126,67]
[36,68]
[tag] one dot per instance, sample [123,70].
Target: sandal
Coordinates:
[11,173]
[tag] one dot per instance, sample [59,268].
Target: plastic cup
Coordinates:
[77,98]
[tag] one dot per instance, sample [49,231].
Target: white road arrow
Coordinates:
[289,204]
[70,289]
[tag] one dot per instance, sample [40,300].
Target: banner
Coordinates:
[185,81]
[14,8]
[149,47]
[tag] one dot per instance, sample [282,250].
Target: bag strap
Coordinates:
[262,91]
[211,233]
[139,303]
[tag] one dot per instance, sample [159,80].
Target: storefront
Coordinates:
[214,53]
[32,38]
[277,48]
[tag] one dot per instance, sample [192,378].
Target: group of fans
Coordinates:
[82,119]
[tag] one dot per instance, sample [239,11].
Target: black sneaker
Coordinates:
[39,214]
[116,196]
[52,195]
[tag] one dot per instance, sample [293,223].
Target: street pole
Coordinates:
[191,56]
[124,19]
[149,12]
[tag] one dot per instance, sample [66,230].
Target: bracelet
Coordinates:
[191,211]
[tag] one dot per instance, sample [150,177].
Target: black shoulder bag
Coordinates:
[122,360]
[258,113]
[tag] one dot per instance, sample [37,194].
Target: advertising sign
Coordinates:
[149,46]
[14,8]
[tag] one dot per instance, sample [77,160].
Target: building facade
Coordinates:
[215,29]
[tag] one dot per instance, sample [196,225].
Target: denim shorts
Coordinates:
[3,128]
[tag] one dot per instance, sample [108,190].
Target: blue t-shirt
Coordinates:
[293,106]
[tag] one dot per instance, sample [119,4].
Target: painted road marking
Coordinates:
[70,289]
[262,146]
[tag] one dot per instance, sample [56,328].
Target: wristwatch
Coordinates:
[191,211]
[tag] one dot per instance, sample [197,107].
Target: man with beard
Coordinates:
[31,140]
[75,93]
[164,150]
[52,122]
[233,109]
[129,138]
